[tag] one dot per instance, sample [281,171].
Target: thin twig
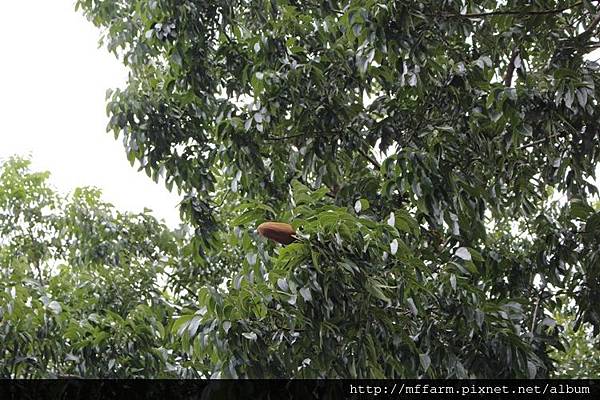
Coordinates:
[283,328]
[275,138]
[190,291]
[534,317]
[590,29]
[540,141]
[507,12]
[369,158]
[224,197]
[537,306]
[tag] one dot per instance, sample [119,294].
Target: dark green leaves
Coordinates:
[436,158]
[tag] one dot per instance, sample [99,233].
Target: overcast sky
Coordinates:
[53,81]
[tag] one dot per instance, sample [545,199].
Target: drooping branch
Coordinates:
[508,12]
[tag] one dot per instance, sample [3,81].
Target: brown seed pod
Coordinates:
[278,231]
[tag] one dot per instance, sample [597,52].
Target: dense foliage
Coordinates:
[436,158]
[581,358]
[83,289]
[89,291]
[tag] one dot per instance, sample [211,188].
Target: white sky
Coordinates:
[53,81]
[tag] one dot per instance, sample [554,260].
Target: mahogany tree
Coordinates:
[436,159]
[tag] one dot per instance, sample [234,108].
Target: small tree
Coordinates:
[83,289]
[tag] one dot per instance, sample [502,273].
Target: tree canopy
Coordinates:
[83,289]
[436,158]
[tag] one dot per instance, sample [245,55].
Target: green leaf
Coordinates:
[463,253]
[580,209]
[394,246]
[412,307]
[374,290]
[305,293]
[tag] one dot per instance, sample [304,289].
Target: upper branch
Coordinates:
[508,12]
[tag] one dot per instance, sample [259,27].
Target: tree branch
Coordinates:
[224,197]
[536,142]
[535,310]
[283,328]
[511,67]
[275,138]
[187,288]
[590,29]
[369,158]
[507,12]
[534,317]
